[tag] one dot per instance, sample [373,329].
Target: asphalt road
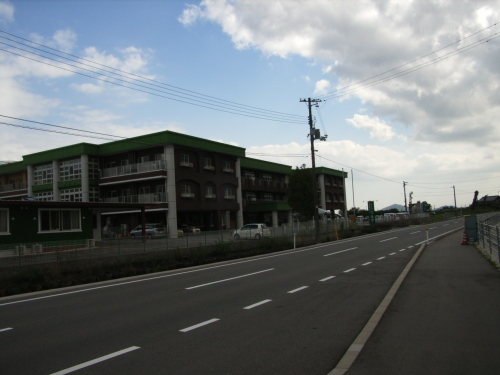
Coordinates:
[293,312]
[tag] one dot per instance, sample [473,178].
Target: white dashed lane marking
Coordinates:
[349,270]
[257,304]
[327,278]
[297,290]
[199,325]
[367,263]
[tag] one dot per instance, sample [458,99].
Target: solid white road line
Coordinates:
[327,278]
[380,258]
[367,263]
[257,304]
[199,325]
[97,360]
[341,251]
[298,289]
[389,239]
[349,270]
[232,278]
[5,329]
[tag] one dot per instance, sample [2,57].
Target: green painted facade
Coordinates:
[24,226]
[265,166]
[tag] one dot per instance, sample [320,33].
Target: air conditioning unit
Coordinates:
[90,243]
[21,249]
[37,248]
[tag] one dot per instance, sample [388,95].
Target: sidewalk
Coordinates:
[445,318]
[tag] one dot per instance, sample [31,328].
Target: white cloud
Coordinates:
[322,87]
[456,100]
[378,129]
[6,12]
[190,15]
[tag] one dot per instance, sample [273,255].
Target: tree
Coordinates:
[300,192]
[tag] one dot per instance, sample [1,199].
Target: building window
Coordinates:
[250,175]
[93,168]
[268,197]
[251,197]
[228,167]
[45,196]
[71,195]
[59,220]
[143,190]
[142,159]
[267,177]
[70,170]
[208,164]
[43,174]
[210,192]
[4,221]
[228,193]
[185,161]
[186,191]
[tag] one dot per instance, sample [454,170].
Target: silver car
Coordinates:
[252,231]
[152,231]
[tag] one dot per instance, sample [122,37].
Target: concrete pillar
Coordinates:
[29,179]
[84,159]
[55,186]
[322,194]
[227,218]
[239,199]
[275,219]
[171,191]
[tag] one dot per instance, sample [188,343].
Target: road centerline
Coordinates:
[231,278]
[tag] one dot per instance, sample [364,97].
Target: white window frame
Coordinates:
[7,221]
[60,220]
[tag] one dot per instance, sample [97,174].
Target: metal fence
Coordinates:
[489,237]
[299,234]
[21,254]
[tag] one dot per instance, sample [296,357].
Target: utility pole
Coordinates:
[404,192]
[353,204]
[455,198]
[314,134]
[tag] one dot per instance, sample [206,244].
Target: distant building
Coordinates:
[185,180]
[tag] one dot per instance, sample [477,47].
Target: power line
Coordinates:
[177,94]
[345,90]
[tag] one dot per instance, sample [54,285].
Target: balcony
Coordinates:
[141,198]
[12,187]
[124,170]
[257,184]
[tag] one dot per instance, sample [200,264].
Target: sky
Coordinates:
[408,91]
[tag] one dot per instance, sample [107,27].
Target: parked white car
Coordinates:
[152,231]
[252,231]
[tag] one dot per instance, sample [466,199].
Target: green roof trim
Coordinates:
[169,137]
[265,165]
[17,166]
[60,153]
[331,172]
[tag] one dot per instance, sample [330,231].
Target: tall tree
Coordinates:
[300,192]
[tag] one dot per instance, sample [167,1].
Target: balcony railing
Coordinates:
[141,198]
[122,170]
[12,187]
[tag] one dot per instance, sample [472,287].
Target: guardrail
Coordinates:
[489,237]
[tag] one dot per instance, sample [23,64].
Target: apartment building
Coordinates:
[185,180]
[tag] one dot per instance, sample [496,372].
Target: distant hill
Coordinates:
[398,207]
